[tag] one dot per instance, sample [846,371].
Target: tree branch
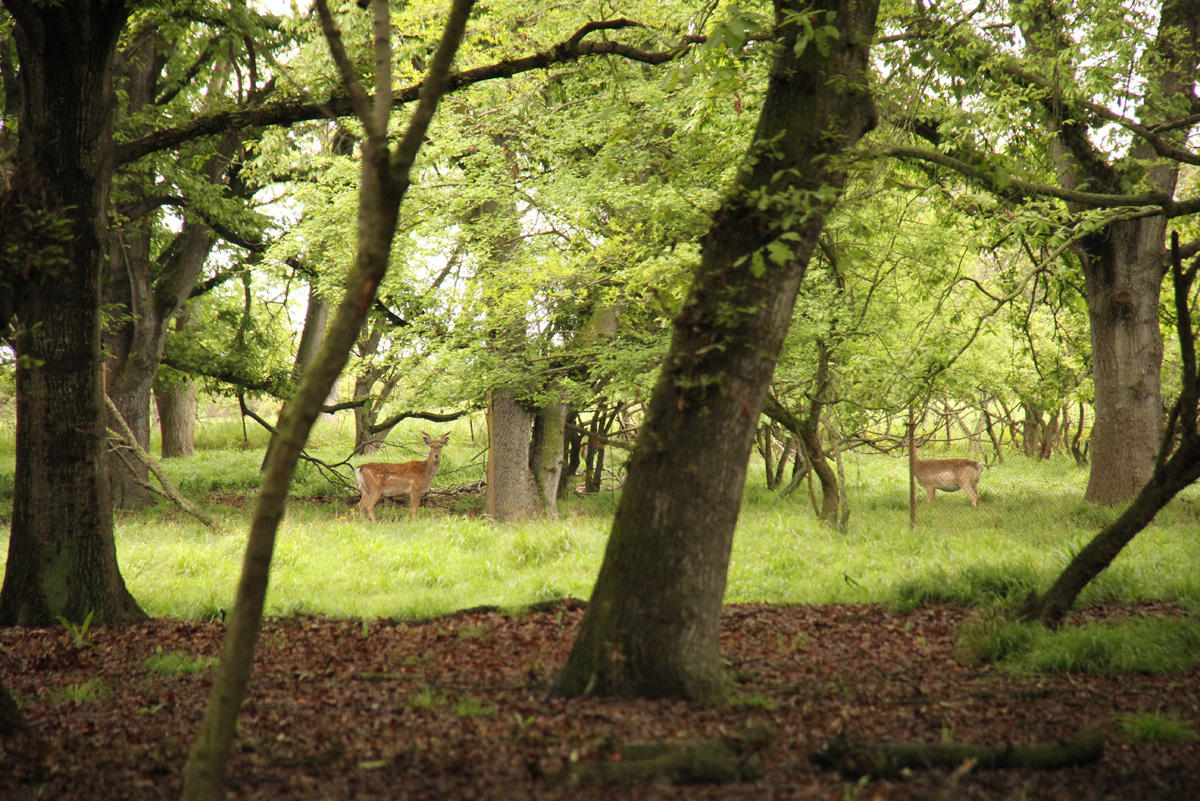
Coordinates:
[338,104]
[1017,190]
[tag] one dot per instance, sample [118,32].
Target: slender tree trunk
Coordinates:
[652,626]
[385,179]
[549,440]
[1171,473]
[1182,470]
[62,558]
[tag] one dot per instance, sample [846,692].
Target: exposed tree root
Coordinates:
[883,760]
[716,761]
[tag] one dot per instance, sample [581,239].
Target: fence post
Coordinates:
[912,472]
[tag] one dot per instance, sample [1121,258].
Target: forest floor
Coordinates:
[456,708]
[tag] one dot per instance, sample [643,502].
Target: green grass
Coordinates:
[175,663]
[1030,522]
[1155,727]
[1139,645]
[84,693]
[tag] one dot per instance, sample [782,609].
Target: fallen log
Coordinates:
[720,760]
[888,760]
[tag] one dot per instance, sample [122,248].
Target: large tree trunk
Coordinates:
[176,403]
[62,558]
[1123,262]
[512,490]
[652,626]
[1123,275]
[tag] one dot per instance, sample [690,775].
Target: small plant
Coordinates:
[426,698]
[752,701]
[990,637]
[175,663]
[78,633]
[87,692]
[469,707]
[1155,727]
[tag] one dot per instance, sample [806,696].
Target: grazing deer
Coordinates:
[949,475]
[382,479]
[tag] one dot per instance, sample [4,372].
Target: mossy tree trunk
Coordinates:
[651,628]
[62,558]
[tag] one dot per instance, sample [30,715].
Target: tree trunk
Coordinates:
[1123,279]
[1171,474]
[62,558]
[1031,431]
[652,626]
[385,178]
[1182,470]
[1123,261]
[366,440]
[549,441]
[512,489]
[143,289]
[176,403]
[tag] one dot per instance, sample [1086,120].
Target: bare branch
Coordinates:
[357,97]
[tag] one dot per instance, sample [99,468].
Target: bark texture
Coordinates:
[62,558]
[651,628]
[512,489]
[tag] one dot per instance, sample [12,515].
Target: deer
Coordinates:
[949,475]
[383,479]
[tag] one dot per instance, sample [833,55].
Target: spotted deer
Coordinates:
[383,479]
[949,475]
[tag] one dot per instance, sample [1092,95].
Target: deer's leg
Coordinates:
[414,500]
[929,493]
[972,493]
[367,505]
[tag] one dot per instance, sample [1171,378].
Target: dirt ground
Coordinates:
[456,708]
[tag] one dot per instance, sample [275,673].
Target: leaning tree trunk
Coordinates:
[652,626]
[1171,473]
[385,178]
[62,558]
[1182,470]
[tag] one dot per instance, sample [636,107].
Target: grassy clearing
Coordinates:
[1030,522]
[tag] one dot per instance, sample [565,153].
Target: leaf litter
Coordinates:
[456,707]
